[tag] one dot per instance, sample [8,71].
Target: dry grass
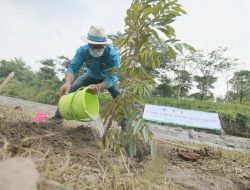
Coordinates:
[85,164]
[102,171]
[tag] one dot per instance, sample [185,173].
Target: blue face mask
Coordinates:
[96,52]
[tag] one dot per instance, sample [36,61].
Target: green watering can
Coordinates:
[80,105]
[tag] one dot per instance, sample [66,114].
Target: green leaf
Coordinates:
[146,12]
[136,89]
[130,120]
[155,34]
[164,22]
[172,53]
[145,56]
[172,40]
[175,13]
[153,148]
[152,62]
[145,133]
[157,61]
[179,9]
[121,138]
[140,89]
[179,47]
[148,92]
[165,31]
[132,148]
[171,30]
[138,126]
[189,47]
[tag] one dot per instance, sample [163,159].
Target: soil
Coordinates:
[71,155]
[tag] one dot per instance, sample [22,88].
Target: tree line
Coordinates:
[201,70]
[176,78]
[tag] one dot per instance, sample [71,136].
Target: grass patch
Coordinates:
[235,118]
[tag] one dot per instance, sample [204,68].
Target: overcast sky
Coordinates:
[38,29]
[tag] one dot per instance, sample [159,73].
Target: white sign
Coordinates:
[177,116]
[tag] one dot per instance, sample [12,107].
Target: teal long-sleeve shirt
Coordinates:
[101,68]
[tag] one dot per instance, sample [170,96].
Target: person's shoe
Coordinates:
[53,121]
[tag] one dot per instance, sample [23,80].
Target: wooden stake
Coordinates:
[8,78]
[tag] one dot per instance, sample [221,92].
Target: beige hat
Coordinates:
[96,35]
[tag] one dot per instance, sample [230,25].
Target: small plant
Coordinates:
[146,20]
[133,139]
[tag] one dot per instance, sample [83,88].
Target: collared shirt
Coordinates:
[101,68]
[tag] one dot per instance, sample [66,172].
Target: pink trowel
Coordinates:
[39,117]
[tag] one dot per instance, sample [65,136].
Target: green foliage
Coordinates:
[134,139]
[22,72]
[47,71]
[199,105]
[183,83]
[204,83]
[209,64]
[178,73]
[146,20]
[26,84]
[240,85]
[165,89]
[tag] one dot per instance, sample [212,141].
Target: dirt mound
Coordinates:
[194,155]
[27,134]
[72,157]
[205,168]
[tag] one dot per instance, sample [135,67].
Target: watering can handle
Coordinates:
[75,116]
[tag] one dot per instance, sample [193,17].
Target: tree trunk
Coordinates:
[241,97]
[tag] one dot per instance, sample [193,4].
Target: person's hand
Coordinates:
[64,89]
[93,88]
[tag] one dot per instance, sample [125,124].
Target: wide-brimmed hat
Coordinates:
[96,35]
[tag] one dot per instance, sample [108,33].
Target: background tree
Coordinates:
[183,82]
[48,82]
[175,66]
[182,78]
[209,64]
[63,62]
[204,83]
[26,84]
[240,85]
[24,78]
[23,73]
[165,88]
[47,71]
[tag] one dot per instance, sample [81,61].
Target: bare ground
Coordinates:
[72,155]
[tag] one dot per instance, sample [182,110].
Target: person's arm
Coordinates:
[71,71]
[77,61]
[69,78]
[95,88]
[64,89]
[102,86]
